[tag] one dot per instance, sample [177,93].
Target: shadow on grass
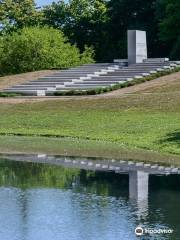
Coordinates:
[172,138]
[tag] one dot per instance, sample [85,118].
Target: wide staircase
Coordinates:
[91,76]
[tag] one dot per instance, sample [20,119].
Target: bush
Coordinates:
[87,55]
[4,95]
[38,48]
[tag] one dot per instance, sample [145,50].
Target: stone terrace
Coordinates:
[91,76]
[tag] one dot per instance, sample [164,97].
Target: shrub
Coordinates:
[37,48]
[91,92]
[2,94]
[87,55]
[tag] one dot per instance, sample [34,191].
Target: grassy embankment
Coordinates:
[147,120]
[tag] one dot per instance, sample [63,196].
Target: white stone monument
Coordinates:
[137,46]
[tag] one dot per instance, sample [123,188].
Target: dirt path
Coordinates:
[140,88]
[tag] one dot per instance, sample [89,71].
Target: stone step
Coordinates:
[27,88]
[71,74]
[135,70]
[24,92]
[123,75]
[64,78]
[145,66]
[113,77]
[82,71]
[128,72]
[82,87]
[109,80]
[151,63]
[149,60]
[98,82]
[48,81]
[89,68]
[45,86]
[88,85]
[97,64]
[38,85]
[68,75]
[140,68]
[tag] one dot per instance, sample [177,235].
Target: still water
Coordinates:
[41,201]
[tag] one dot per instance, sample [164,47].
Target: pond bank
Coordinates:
[82,148]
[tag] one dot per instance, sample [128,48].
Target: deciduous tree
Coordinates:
[16,14]
[168,13]
[83,21]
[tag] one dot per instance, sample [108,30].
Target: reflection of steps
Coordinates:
[118,166]
[138,172]
[91,76]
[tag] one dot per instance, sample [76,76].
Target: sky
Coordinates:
[44,2]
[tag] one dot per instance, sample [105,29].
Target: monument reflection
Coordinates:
[82,198]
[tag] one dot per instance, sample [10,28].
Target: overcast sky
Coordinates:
[44,2]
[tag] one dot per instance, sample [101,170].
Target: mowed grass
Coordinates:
[137,121]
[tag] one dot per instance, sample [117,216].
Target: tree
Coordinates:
[83,21]
[104,24]
[168,13]
[15,14]
[128,14]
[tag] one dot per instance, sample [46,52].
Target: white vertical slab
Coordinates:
[137,46]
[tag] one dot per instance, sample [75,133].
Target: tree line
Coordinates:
[101,24]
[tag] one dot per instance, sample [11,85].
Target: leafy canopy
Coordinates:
[83,21]
[36,48]
[15,14]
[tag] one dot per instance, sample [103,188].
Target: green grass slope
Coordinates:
[148,120]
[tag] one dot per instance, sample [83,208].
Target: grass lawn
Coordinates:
[148,120]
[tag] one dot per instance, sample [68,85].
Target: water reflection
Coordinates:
[138,191]
[39,201]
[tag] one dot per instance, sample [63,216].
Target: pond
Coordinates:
[86,199]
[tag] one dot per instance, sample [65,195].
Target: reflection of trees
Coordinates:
[167,182]
[104,183]
[101,184]
[26,175]
[165,194]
